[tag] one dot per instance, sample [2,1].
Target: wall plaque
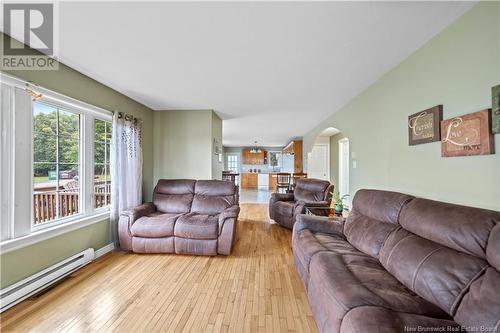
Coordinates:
[495,109]
[423,126]
[467,135]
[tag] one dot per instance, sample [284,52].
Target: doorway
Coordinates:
[233,162]
[318,162]
[344,167]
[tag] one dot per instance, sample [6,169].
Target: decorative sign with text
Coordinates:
[467,135]
[495,109]
[423,127]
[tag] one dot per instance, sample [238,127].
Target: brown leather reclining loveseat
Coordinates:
[401,264]
[186,216]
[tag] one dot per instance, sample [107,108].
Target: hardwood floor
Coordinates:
[256,289]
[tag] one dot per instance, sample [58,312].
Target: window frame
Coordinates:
[81,172]
[24,232]
[107,207]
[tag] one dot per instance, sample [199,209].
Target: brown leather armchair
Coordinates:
[186,216]
[284,207]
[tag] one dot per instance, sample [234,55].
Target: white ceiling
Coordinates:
[271,70]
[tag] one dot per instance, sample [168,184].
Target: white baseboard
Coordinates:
[103,250]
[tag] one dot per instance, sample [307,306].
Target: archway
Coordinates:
[336,158]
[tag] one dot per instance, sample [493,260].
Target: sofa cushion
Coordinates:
[309,189]
[435,272]
[481,304]
[154,225]
[213,197]
[374,216]
[306,244]
[340,282]
[174,195]
[382,320]
[464,229]
[197,226]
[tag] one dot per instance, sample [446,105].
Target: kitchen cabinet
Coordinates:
[295,148]
[248,157]
[272,182]
[249,180]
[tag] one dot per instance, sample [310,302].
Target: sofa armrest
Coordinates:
[231,212]
[127,218]
[227,229]
[139,211]
[275,197]
[300,206]
[316,224]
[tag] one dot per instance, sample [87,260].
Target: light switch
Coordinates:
[353,154]
[354,164]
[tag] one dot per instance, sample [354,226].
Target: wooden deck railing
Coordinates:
[45,202]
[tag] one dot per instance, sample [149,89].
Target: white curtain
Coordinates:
[126,167]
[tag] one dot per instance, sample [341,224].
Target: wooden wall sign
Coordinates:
[423,127]
[467,135]
[495,109]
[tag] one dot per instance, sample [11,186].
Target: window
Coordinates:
[232,162]
[102,175]
[56,162]
[275,159]
[54,170]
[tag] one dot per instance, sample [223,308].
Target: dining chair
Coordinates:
[283,181]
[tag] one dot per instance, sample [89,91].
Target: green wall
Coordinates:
[183,144]
[18,264]
[457,68]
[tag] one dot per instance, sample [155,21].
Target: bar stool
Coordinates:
[283,181]
[296,176]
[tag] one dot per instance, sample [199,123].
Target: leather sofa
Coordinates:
[284,207]
[185,217]
[401,264]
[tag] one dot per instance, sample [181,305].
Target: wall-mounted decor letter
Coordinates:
[423,126]
[467,135]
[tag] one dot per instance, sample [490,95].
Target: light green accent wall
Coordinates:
[18,264]
[183,144]
[217,136]
[457,68]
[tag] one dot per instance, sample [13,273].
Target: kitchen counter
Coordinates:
[266,179]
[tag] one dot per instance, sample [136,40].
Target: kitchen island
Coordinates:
[261,180]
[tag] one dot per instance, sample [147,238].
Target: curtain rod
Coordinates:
[127,117]
[38,92]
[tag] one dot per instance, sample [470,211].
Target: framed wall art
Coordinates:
[467,135]
[424,126]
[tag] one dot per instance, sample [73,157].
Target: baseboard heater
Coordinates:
[35,283]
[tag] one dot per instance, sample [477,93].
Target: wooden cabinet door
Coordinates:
[272,182]
[244,180]
[253,181]
[245,158]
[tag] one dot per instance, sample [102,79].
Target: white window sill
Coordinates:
[50,232]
